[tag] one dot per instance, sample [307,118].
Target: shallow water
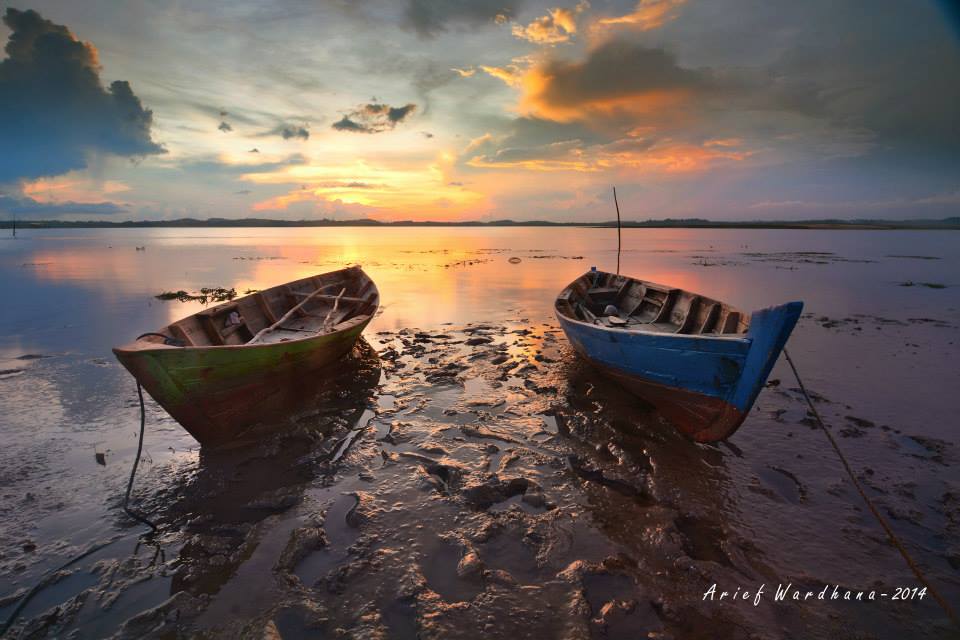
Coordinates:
[572,510]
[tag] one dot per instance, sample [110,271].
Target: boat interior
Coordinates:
[618,302]
[312,306]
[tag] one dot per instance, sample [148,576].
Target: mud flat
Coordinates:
[479,482]
[475,479]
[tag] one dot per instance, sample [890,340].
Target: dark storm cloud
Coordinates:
[883,66]
[428,17]
[616,69]
[374,117]
[29,207]
[54,110]
[901,86]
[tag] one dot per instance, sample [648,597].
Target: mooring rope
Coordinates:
[45,580]
[136,461]
[894,540]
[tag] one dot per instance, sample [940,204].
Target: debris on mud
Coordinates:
[204,296]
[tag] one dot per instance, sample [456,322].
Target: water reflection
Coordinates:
[232,490]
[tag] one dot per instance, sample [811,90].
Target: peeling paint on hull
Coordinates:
[216,394]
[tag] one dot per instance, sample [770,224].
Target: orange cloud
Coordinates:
[511,74]
[648,14]
[636,154]
[559,25]
[541,99]
[619,79]
[71,189]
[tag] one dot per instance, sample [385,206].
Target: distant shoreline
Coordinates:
[952,223]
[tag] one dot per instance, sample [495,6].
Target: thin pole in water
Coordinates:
[617,205]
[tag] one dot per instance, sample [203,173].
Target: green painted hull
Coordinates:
[217,393]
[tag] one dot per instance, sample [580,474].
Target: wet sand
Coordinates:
[475,479]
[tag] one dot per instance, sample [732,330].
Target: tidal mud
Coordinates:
[482,482]
[473,478]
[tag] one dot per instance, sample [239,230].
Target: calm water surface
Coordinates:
[883,356]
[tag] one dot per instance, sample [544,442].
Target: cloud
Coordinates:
[295,132]
[429,17]
[648,14]
[428,77]
[638,156]
[619,75]
[558,26]
[374,117]
[55,112]
[29,207]
[288,132]
[932,206]
[217,166]
[511,74]
[464,73]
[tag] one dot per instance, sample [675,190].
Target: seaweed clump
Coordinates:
[206,294]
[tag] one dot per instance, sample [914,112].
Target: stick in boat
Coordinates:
[286,316]
[617,205]
[336,303]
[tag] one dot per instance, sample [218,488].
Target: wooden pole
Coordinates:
[336,304]
[286,316]
[617,205]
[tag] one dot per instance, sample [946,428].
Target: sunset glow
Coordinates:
[479,112]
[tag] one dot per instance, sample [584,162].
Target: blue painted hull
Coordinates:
[704,384]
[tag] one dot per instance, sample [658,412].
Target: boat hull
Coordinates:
[217,394]
[704,385]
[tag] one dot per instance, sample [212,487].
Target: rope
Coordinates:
[136,462]
[894,540]
[43,582]
[167,340]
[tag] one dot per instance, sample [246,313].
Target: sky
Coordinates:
[480,109]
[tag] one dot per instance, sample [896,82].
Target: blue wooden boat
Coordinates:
[699,361]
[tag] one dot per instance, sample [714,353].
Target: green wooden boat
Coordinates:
[229,367]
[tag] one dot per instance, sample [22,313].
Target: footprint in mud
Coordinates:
[297,622]
[400,618]
[340,534]
[780,484]
[702,540]
[507,553]
[628,487]
[924,448]
[494,492]
[439,566]
[617,610]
